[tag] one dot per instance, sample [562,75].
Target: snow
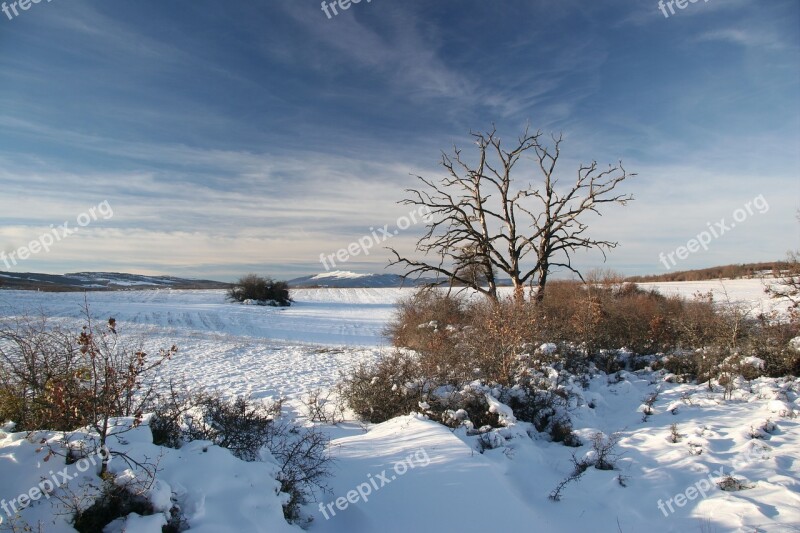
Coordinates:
[795,342]
[446,484]
[504,412]
[748,292]
[135,523]
[340,274]
[753,361]
[160,496]
[458,490]
[548,348]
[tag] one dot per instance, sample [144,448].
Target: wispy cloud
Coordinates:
[744,37]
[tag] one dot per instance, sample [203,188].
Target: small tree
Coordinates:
[787,282]
[260,289]
[787,286]
[55,380]
[119,381]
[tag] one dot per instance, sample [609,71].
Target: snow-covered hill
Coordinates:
[100,281]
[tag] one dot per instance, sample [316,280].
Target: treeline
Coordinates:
[748,270]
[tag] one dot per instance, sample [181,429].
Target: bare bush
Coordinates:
[302,455]
[326,407]
[579,467]
[431,323]
[674,435]
[604,450]
[241,426]
[61,381]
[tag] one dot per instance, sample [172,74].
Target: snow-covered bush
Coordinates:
[241,426]
[246,427]
[260,290]
[392,386]
[119,497]
[733,484]
[772,342]
[432,323]
[468,407]
[537,400]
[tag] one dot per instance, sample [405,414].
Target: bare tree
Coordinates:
[522,232]
[787,284]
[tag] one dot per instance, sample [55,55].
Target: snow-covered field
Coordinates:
[422,476]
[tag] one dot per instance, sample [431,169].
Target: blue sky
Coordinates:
[250,135]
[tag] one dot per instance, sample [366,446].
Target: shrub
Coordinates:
[260,289]
[431,322]
[674,434]
[62,381]
[246,427]
[500,333]
[732,484]
[604,454]
[326,407]
[603,457]
[41,372]
[304,462]
[169,410]
[460,340]
[240,425]
[466,407]
[771,342]
[536,400]
[387,388]
[579,467]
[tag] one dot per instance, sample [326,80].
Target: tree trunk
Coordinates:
[541,283]
[519,290]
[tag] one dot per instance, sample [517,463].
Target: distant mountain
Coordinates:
[353,280]
[115,281]
[98,281]
[344,279]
